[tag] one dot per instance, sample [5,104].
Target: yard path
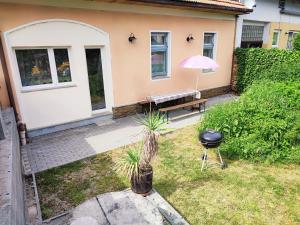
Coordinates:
[123,207]
[60,148]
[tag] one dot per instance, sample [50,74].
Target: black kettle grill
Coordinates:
[211,139]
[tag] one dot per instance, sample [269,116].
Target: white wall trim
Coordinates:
[130,8]
[55,20]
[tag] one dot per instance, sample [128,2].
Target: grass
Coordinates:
[244,193]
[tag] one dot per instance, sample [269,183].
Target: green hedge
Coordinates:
[256,63]
[263,125]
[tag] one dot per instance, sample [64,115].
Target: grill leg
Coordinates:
[204,159]
[220,157]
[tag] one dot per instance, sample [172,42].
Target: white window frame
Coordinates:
[293,33]
[214,50]
[55,84]
[278,38]
[169,41]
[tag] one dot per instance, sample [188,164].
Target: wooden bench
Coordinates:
[200,102]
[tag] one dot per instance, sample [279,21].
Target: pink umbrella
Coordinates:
[199,62]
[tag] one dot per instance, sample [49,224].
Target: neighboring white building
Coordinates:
[273,23]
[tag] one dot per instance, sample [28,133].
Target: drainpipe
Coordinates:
[6,78]
[22,133]
[21,126]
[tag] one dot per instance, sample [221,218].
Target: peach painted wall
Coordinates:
[131,70]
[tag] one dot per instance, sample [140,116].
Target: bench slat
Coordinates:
[200,101]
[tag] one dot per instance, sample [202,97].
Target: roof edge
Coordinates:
[196,5]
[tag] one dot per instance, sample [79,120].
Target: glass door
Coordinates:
[95,74]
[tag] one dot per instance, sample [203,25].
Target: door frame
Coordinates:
[106,81]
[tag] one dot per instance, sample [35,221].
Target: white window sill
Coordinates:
[47,87]
[157,78]
[208,72]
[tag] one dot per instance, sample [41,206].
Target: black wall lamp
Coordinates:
[131,38]
[190,38]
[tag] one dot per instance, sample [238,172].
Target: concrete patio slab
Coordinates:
[89,209]
[121,208]
[60,148]
[128,208]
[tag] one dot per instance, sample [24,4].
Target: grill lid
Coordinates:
[210,138]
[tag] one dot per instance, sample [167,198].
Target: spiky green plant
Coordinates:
[128,164]
[153,123]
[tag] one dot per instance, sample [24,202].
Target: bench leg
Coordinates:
[167,116]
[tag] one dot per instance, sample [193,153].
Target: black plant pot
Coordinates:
[142,184]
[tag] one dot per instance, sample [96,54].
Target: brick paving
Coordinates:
[60,148]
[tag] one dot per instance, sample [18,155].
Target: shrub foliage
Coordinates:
[263,125]
[275,64]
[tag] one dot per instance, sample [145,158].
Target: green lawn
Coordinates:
[244,193]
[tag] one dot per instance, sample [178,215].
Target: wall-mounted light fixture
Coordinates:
[131,38]
[190,38]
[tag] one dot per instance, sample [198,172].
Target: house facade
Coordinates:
[273,24]
[64,62]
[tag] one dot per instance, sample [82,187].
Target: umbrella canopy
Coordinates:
[199,62]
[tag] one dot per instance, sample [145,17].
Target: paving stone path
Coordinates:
[122,208]
[60,148]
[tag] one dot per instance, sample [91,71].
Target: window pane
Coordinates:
[158,39]
[34,66]
[62,65]
[289,42]
[208,38]
[159,65]
[208,45]
[275,38]
[208,53]
[291,37]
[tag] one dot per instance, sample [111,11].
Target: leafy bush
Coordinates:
[263,125]
[296,42]
[286,72]
[256,63]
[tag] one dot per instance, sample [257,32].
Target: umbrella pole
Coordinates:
[197,83]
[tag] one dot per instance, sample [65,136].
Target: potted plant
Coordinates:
[136,163]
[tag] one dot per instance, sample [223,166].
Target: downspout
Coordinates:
[6,78]
[21,127]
